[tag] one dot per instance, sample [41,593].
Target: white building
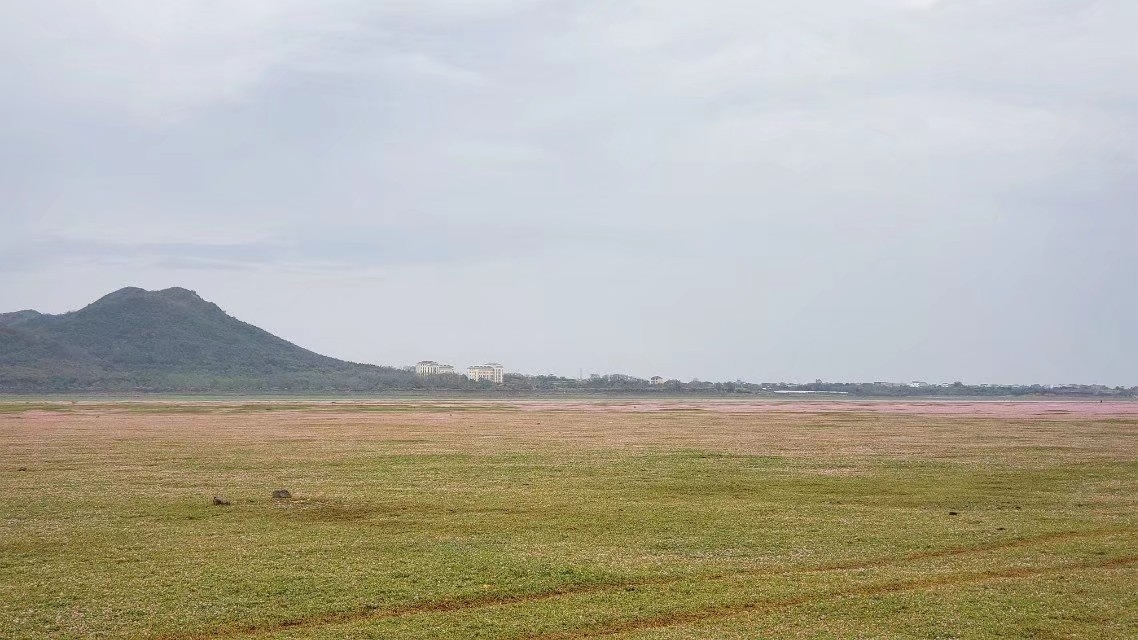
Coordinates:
[432,368]
[491,371]
[657,380]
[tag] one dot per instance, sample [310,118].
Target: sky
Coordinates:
[770,190]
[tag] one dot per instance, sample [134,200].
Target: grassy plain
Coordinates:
[540,520]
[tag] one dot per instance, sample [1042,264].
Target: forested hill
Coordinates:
[172,341]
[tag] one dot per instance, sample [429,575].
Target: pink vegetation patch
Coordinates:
[994,409]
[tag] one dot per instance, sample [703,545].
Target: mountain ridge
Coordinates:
[169,340]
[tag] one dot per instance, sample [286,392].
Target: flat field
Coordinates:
[709,519]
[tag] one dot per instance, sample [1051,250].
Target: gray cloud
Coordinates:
[861,189]
[317,252]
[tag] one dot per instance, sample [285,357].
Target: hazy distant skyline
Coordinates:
[847,190]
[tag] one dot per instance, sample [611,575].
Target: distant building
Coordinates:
[491,371]
[657,380]
[432,368]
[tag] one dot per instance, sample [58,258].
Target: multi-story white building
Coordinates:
[657,380]
[491,371]
[432,368]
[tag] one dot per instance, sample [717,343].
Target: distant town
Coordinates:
[491,371]
[494,372]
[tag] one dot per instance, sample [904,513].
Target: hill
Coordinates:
[172,341]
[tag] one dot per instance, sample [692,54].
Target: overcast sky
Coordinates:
[765,190]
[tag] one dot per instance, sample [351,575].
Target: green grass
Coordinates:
[11,408]
[197,406]
[112,535]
